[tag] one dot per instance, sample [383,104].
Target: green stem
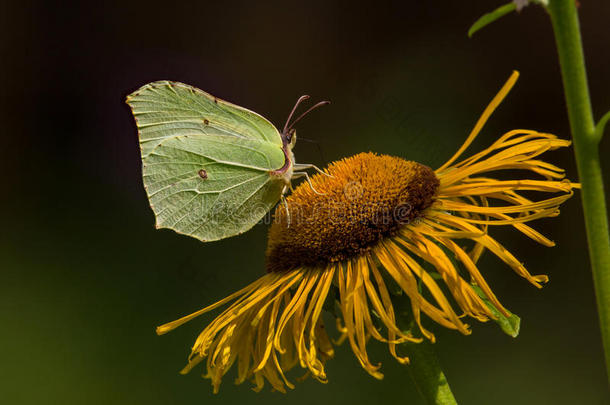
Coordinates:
[564,17]
[426,371]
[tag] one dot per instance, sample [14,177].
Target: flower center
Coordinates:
[366,197]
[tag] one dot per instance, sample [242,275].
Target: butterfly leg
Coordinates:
[304,174]
[288,219]
[303,166]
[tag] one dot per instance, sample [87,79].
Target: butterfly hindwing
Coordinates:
[209,194]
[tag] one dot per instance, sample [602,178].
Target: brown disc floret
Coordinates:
[363,199]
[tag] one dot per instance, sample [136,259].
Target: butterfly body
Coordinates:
[211,169]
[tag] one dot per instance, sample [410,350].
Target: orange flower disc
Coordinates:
[363,199]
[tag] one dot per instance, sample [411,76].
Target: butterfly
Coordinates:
[211,169]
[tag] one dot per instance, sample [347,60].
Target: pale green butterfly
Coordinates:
[211,169]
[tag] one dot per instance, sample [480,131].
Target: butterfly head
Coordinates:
[290,138]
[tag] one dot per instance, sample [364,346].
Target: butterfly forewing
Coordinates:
[164,109]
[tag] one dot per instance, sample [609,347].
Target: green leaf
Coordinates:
[490,17]
[427,373]
[601,125]
[509,325]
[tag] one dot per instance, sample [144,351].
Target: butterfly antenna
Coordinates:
[296,105]
[320,104]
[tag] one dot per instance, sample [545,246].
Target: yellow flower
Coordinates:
[374,220]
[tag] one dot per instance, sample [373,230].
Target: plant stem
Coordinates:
[564,17]
[427,374]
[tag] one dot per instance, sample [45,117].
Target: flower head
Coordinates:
[372,227]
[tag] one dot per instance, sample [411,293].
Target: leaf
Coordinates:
[509,325]
[490,17]
[601,125]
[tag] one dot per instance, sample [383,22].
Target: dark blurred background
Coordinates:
[86,277]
